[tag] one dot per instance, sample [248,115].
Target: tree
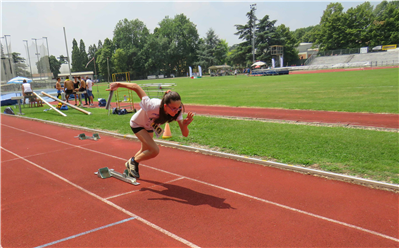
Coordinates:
[384,29]
[132,36]
[211,50]
[55,66]
[265,37]
[105,58]
[156,56]
[119,60]
[243,53]
[221,52]
[83,55]
[19,65]
[76,58]
[305,35]
[357,21]
[332,28]
[92,54]
[182,38]
[379,9]
[287,40]
[63,59]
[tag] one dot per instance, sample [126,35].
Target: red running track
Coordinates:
[50,195]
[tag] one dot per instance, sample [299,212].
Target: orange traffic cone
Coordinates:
[166,133]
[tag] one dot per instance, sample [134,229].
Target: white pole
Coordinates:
[51,106]
[69,61]
[70,105]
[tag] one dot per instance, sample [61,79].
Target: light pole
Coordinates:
[30,66]
[38,61]
[8,54]
[48,54]
[69,63]
[48,51]
[253,8]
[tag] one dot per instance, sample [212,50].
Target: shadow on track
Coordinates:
[186,196]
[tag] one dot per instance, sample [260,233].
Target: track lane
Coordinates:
[182,167]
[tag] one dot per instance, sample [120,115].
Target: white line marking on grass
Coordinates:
[174,236]
[84,233]
[243,194]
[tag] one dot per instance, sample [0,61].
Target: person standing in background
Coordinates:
[89,90]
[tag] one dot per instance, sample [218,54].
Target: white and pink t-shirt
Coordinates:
[148,113]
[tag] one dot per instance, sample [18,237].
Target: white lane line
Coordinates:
[87,232]
[129,192]
[174,236]
[242,194]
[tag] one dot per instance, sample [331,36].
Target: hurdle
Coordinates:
[68,104]
[51,106]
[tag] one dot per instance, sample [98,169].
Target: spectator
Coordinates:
[76,88]
[58,87]
[27,91]
[82,88]
[68,88]
[89,90]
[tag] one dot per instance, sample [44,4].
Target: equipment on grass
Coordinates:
[167,134]
[108,104]
[83,136]
[65,103]
[51,106]
[9,111]
[107,173]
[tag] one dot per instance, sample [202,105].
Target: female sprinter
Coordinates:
[146,121]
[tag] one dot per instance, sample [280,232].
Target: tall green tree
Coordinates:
[357,21]
[221,52]
[132,36]
[211,51]
[332,34]
[266,36]
[21,69]
[243,53]
[384,29]
[63,59]
[105,59]
[306,35]
[55,66]
[91,53]
[288,41]
[182,37]
[155,52]
[76,58]
[119,60]
[83,55]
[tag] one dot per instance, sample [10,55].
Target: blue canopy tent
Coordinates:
[19,80]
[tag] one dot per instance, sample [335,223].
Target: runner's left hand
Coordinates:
[189,119]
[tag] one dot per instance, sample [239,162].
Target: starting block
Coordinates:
[107,173]
[83,136]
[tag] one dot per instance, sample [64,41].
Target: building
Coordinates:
[305,50]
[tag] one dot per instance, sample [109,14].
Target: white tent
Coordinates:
[260,63]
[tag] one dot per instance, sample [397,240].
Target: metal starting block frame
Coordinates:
[83,136]
[107,173]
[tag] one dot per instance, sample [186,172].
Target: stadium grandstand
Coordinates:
[347,58]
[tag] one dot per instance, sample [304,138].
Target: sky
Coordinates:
[92,21]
